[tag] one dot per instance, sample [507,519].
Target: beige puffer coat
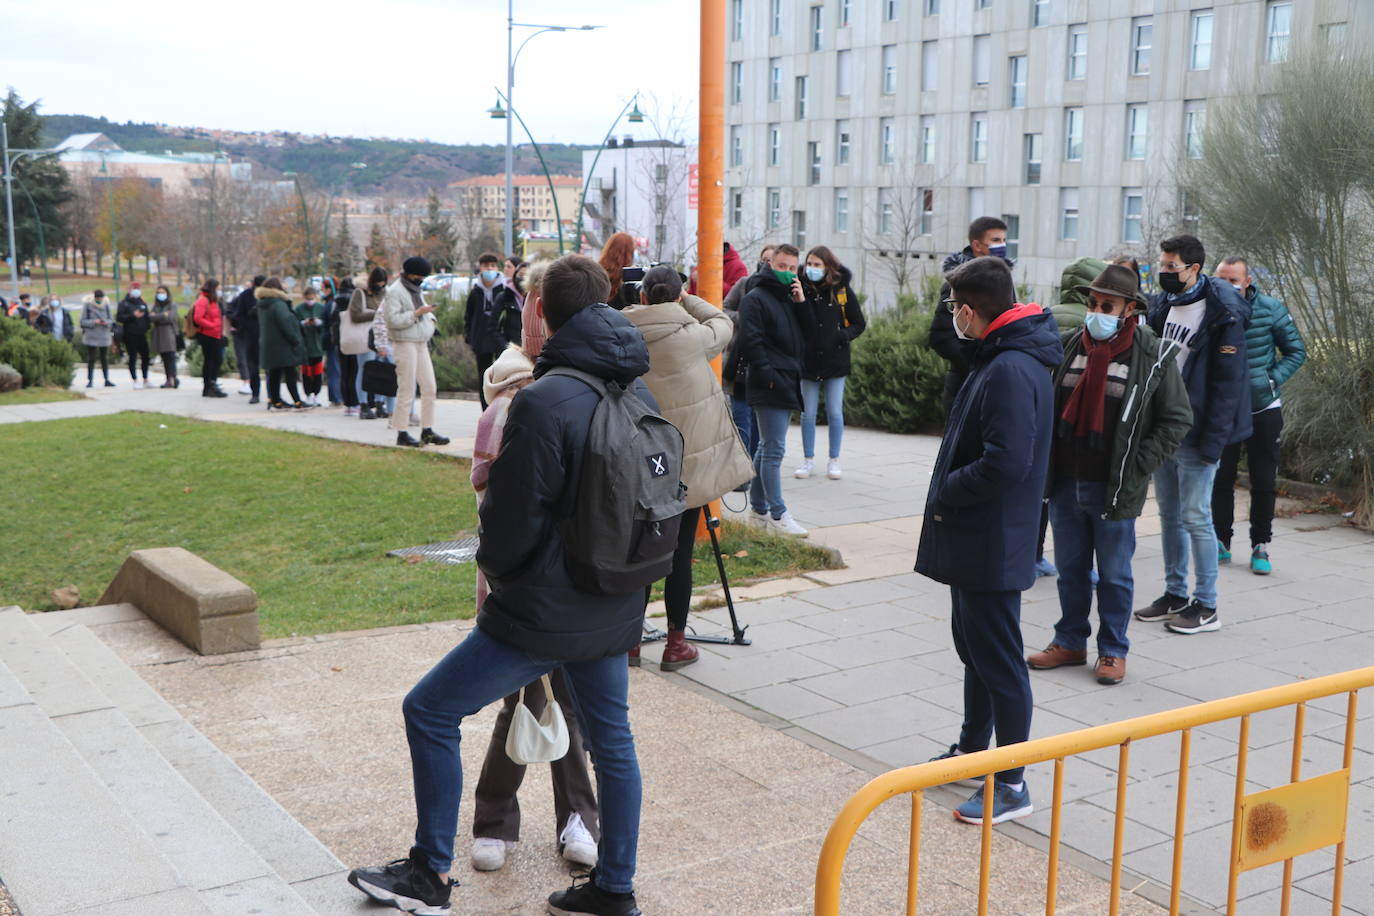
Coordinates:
[682,338]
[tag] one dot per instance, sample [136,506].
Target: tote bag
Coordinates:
[541,740]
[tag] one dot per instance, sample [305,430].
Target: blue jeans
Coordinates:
[834,414]
[1080,532]
[748,427]
[765,493]
[1183,489]
[331,374]
[481,670]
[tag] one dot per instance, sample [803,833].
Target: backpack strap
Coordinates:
[593,382]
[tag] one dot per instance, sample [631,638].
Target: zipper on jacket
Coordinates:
[1135,424]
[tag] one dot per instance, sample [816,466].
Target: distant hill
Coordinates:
[398,166]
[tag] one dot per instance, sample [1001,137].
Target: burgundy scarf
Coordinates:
[1087,405]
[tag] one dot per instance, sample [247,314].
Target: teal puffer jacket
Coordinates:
[1273,346]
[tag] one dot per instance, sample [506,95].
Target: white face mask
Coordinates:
[960,332]
[135,294]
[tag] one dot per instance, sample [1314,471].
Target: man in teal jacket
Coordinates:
[1274,352]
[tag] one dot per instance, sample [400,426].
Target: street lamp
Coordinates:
[511,59]
[636,117]
[109,203]
[11,159]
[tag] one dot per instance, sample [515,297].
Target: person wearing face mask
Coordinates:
[734,370]
[483,328]
[133,316]
[773,322]
[97,335]
[165,323]
[511,299]
[836,320]
[410,323]
[1275,351]
[983,509]
[243,319]
[1120,410]
[55,321]
[1202,322]
[363,306]
[987,235]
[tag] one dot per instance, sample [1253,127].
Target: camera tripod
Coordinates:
[653,634]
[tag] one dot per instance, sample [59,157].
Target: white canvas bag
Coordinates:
[541,740]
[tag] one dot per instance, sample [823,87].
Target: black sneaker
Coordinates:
[366,414]
[405,438]
[1165,607]
[1198,618]
[430,437]
[970,783]
[406,884]
[586,899]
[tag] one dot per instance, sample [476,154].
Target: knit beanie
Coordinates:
[417,266]
[532,333]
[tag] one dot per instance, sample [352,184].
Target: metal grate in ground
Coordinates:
[463,550]
[7,905]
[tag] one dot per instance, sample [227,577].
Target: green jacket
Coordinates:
[314,335]
[1073,305]
[281,345]
[1154,418]
[1271,332]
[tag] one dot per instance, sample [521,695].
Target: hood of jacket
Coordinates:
[263,293]
[659,321]
[732,257]
[1080,273]
[513,369]
[959,257]
[599,341]
[1032,332]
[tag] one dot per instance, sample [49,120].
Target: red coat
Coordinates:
[733,270]
[207,317]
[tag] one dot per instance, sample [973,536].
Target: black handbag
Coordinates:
[379,378]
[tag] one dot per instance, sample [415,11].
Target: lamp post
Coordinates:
[636,117]
[11,159]
[109,203]
[511,26]
[499,112]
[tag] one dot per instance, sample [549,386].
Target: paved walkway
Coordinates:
[857,662]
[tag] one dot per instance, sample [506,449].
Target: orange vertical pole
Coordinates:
[711,167]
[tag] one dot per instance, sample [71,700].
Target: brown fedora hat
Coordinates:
[1116,280]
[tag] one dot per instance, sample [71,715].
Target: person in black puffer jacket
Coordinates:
[836,321]
[483,324]
[734,368]
[134,320]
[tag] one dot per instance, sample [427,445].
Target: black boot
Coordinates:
[589,899]
[430,437]
[405,438]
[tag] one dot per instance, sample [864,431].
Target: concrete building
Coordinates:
[171,173]
[645,188]
[535,205]
[881,127]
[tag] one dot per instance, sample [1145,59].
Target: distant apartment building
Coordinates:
[645,188]
[881,127]
[485,195]
[171,173]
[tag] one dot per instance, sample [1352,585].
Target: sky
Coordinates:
[387,68]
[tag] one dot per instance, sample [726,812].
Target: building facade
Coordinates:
[882,127]
[485,195]
[172,173]
[645,188]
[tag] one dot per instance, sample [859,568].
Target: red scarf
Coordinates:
[1087,405]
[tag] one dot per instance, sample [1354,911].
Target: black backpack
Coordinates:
[623,529]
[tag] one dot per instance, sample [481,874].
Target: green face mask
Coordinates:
[785,277]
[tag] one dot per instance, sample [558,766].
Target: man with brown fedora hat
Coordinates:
[1120,410]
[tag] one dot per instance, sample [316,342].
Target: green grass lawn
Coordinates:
[305,522]
[37,395]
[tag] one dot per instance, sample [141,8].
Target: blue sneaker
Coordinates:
[1259,561]
[1007,805]
[1223,552]
[1044,567]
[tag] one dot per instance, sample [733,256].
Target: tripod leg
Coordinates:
[713,523]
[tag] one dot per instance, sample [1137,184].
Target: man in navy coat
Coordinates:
[982,516]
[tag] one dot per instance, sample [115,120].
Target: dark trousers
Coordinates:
[997,691]
[246,352]
[1262,453]
[240,356]
[496,809]
[169,366]
[104,355]
[274,379]
[137,347]
[312,375]
[484,361]
[348,367]
[1044,529]
[677,588]
[213,350]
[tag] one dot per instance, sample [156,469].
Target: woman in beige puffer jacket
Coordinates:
[684,334]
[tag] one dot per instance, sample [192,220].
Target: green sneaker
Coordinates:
[1223,552]
[1259,561]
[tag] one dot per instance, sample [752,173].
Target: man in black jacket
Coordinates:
[132,316]
[243,319]
[987,235]
[536,619]
[483,325]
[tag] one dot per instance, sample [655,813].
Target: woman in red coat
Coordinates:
[209,322]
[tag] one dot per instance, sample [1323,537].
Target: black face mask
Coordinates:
[376,287]
[1170,282]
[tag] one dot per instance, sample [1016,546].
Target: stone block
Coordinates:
[202,605]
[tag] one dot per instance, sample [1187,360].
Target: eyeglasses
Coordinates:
[951,303]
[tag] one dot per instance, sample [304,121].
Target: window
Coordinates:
[889,69]
[982,4]
[887,140]
[890,10]
[1280,29]
[1201,55]
[841,210]
[1031,144]
[1142,39]
[842,142]
[982,59]
[844,69]
[736,20]
[774,208]
[844,12]
[1333,36]
[1017,68]
[813,159]
[927,138]
[801,98]
[930,65]
[932,7]
[1132,209]
[976,199]
[660,172]
[799,229]
[1137,126]
[1013,222]
[817,29]
[1194,123]
[736,82]
[775,18]
[775,79]
[736,208]
[1068,214]
[774,144]
[1040,12]
[927,210]
[736,146]
[884,209]
[1192,213]
[978,140]
[1078,52]
[1073,134]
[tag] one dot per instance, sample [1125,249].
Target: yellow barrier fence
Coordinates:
[1267,827]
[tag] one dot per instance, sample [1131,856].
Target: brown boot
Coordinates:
[634,656]
[1109,670]
[678,653]
[1056,656]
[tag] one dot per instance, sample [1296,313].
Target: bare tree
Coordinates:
[895,226]
[662,180]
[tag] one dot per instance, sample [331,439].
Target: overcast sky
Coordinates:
[400,68]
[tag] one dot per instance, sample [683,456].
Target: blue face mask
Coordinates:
[490,275]
[1100,326]
[815,274]
[997,251]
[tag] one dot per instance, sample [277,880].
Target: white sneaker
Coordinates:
[833,470]
[757,519]
[787,525]
[489,854]
[137,384]
[245,388]
[576,840]
[803,472]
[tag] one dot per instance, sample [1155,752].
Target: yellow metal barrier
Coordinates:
[1268,827]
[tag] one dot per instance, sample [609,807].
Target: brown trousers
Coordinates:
[496,810]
